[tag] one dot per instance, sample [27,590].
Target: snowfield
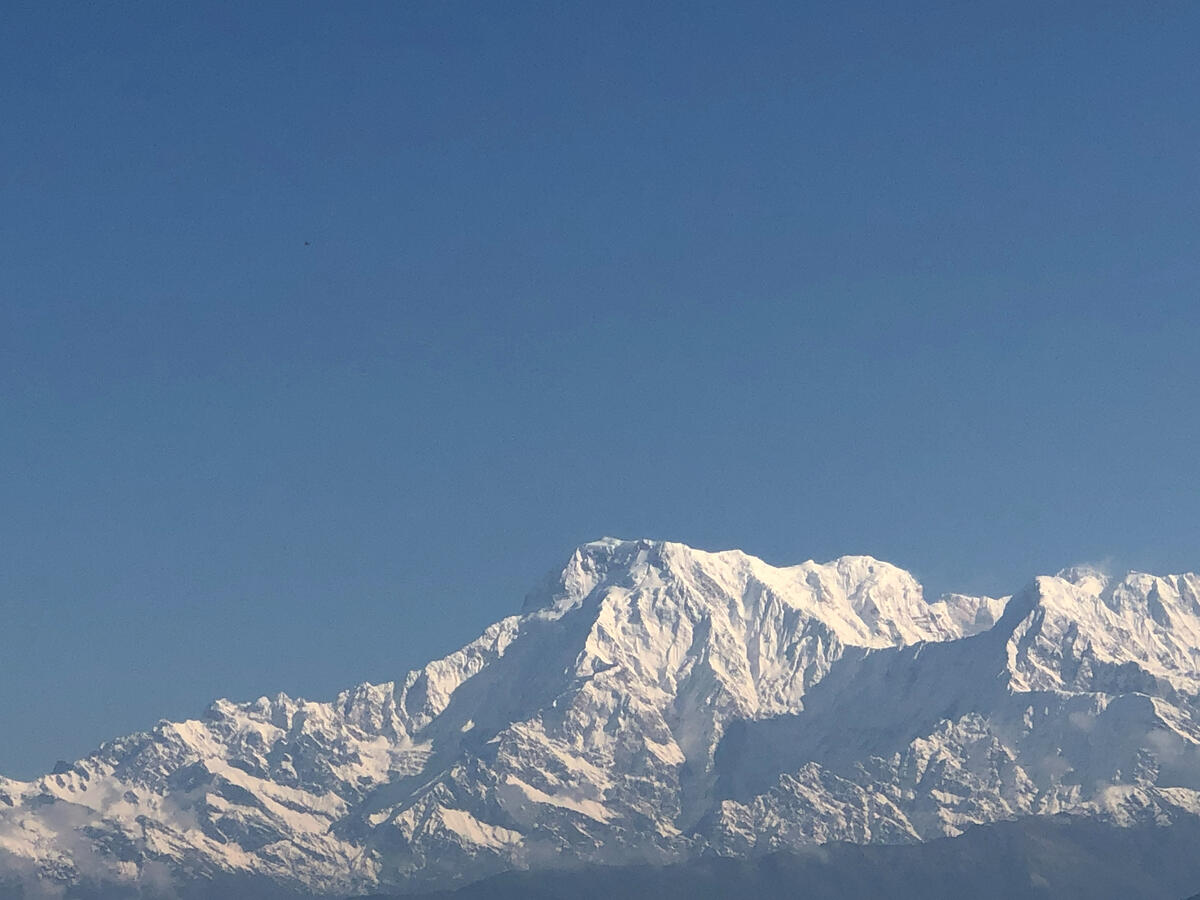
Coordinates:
[656,703]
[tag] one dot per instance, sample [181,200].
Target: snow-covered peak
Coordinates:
[1089,577]
[1084,630]
[862,600]
[598,724]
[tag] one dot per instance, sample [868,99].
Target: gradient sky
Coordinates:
[327,330]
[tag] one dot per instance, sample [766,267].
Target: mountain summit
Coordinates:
[654,703]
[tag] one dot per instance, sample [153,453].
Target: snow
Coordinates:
[656,701]
[472,831]
[589,808]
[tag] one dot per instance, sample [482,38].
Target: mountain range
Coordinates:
[654,706]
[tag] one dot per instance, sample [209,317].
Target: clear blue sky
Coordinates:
[326,330]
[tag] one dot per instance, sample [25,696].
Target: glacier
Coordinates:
[654,703]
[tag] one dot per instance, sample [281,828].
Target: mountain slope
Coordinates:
[653,702]
[1032,859]
[1078,700]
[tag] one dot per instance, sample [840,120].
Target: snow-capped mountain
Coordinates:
[655,703]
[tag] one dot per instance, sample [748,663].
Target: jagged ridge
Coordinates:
[653,701]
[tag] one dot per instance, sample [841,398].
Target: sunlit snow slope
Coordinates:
[655,702]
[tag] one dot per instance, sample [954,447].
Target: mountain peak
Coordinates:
[1085,630]
[600,723]
[863,601]
[1087,576]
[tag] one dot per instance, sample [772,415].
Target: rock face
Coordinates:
[655,703]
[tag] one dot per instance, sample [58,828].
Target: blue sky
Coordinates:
[327,330]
